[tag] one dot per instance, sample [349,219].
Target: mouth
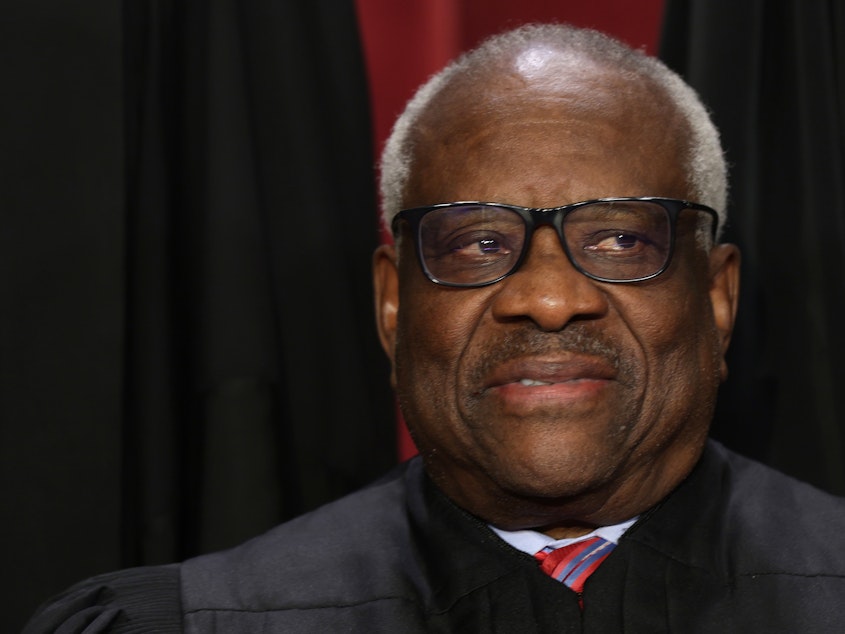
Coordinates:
[534,380]
[540,372]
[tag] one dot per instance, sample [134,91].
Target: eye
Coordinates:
[610,242]
[470,245]
[478,245]
[489,245]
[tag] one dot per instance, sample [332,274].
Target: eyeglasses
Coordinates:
[470,244]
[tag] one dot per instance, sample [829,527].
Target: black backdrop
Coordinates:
[186,349]
[773,73]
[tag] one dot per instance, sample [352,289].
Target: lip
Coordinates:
[550,370]
[557,379]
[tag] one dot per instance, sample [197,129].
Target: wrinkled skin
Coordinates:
[628,372]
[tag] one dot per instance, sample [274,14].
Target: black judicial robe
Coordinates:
[737,547]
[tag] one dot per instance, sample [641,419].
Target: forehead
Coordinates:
[543,131]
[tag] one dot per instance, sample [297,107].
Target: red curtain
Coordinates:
[405,42]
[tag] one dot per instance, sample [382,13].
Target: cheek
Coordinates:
[679,344]
[662,327]
[673,316]
[435,328]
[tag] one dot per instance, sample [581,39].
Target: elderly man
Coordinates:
[556,308]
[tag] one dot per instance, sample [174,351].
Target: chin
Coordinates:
[560,480]
[550,489]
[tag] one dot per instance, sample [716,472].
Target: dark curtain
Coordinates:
[773,73]
[187,353]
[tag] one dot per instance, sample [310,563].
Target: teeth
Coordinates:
[532,382]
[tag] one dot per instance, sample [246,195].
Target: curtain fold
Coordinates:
[254,338]
[61,284]
[773,74]
[188,353]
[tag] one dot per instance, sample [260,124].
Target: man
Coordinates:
[556,310]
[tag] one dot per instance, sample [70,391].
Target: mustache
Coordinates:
[576,338]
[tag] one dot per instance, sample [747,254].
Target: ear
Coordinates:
[724,294]
[386,290]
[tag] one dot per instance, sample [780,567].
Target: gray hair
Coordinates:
[705,163]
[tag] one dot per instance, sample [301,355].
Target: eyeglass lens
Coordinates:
[477,244]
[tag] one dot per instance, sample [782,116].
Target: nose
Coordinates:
[547,289]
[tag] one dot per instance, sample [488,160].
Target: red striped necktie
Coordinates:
[572,564]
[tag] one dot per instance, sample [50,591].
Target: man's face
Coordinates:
[549,400]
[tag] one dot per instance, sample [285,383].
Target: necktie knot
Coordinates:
[572,564]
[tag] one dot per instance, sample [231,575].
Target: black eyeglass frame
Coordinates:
[534,217]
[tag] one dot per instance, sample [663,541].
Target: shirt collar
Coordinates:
[532,541]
